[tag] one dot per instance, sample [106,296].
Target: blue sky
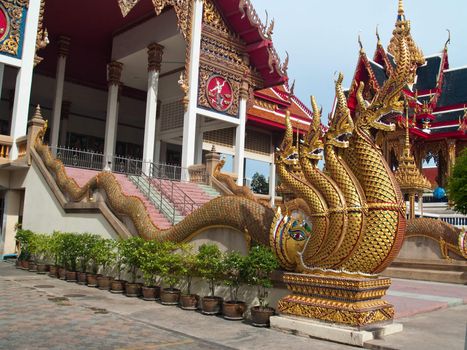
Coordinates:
[321,36]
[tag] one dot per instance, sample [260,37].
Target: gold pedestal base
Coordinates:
[348,301]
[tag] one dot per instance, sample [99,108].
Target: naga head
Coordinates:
[288,236]
[372,115]
[312,146]
[341,125]
[287,153]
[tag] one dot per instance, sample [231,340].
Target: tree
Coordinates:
[457,184]
[259,184]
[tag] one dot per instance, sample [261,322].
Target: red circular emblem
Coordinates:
[219,93]
[4,25]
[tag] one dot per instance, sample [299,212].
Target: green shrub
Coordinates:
[131,255]
[189,266]
[24,238]
[210,265]
[149,263]
[103,254]
[71,249]
[170,263]
[457,184]
[55,248]
[86,246]
[234,273]
[260,263]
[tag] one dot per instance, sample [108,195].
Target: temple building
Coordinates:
[437,100]
[144,85]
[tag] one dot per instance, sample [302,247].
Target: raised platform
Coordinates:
[447,271]
[337,298]
[332,332]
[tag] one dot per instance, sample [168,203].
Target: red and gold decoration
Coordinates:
[12,21]
[219,93]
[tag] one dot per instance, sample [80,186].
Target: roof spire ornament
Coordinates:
[377,35]
[360,43]
[447,41]
[400,9]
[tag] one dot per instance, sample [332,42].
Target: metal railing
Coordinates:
[163,180]
[78,158]
[127,166]
[179,199]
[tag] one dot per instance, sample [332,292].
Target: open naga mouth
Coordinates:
[386,121]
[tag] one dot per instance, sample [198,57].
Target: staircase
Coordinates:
[154,196]
[167,202]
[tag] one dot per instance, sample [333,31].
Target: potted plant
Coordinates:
[56,254]
[209,260]
[234,276]
[149,266]
[131,254]
[104,253]
[88,241]
[71,250]
[23,237]
[169,266]
[188,270]
[118,285]
[42,253]
[260,263]
[33,252]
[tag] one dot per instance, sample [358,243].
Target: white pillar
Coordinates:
[189,119]
[199,141]
[157,144]
[63,50]
[272,184]
[155,52]
[111,124]
[239,158]
[20,113]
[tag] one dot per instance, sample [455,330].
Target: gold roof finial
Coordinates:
[377,36]
[407,139]
[400,9]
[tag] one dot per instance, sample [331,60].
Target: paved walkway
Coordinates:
[38,312]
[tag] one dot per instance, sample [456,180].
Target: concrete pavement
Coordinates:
[38,312]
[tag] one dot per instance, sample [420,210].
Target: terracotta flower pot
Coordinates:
[62,273]
[133,289]
[91,279]
[189,301]
[233,310]
[117,286]
[170,296]
[103,282]
[260,316]
[42,269]
[53,271]
[82,278]
[151,293]
[71,276]
[32,266]
[24,264]
[211,305]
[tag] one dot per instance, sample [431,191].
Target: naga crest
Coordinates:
[312,146]
[287,153]
[387,100]
[341,126]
